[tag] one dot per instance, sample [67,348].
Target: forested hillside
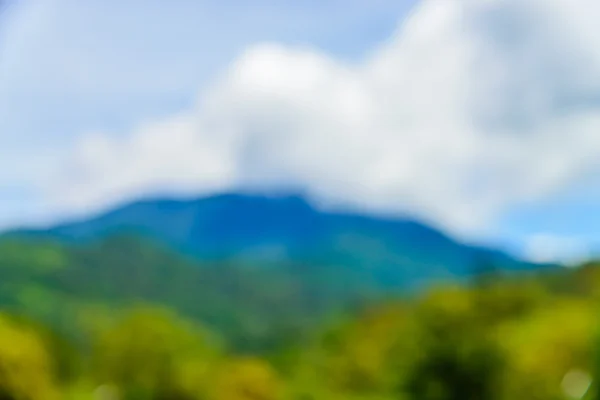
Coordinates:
[126,316]
[53,281]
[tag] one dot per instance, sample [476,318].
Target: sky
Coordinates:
[479,117]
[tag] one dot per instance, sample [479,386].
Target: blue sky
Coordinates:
[480,117]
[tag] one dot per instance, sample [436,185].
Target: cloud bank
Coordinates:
[549,248]
[471,107]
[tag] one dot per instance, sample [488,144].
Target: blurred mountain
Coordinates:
[261,230]
[259,270]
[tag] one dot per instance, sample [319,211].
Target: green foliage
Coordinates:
[459,358]
[546,345]
[26,368]
[150,353]
[246,379]
[125,318]
[256,308]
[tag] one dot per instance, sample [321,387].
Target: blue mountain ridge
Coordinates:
[267,230]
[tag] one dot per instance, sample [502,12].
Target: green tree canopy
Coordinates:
[152,353]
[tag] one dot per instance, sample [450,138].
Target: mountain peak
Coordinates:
[238,225]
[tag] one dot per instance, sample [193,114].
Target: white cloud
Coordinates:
[470,108]
[68,67]
[549,248]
